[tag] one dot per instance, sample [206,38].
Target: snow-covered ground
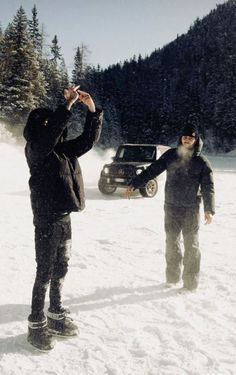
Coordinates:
[130,324]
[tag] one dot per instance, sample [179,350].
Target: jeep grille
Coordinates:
[123,171]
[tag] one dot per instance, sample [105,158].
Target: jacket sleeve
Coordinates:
[156,168]
[84,142]
[54,129]
[207,188]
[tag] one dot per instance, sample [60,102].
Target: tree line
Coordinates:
[145,100]
[190,80]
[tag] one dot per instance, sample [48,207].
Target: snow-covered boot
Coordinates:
[38,335]
[60,324]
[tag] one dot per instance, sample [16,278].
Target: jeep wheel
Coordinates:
[106,189]
[150,189]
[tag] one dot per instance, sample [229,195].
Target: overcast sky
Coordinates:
[114,30]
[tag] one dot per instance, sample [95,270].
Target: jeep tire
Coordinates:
[150,189]
[106,189]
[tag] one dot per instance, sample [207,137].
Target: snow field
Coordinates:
[130,323]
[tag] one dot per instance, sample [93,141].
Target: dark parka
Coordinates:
[188,179]
[56,182]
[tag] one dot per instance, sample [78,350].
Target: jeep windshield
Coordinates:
[136,153]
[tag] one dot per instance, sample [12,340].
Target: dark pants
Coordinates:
[185,220]
[53,245]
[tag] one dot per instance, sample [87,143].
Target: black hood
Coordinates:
[197,146]
[35,124]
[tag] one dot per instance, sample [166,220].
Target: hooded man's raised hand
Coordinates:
[71,95]
[86,99]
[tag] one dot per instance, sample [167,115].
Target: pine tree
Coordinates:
[64,80]
[81,67]
[55,51]
[36,35]
[1,33]
[23,85]
[56,75]
[81,74]
[2,58]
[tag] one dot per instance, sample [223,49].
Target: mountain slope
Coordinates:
[191,79]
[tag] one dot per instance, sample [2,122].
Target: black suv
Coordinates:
[129,161]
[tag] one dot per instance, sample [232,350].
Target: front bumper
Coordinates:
[115,181]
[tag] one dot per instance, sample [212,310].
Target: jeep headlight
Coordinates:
[106,170]
[138,171]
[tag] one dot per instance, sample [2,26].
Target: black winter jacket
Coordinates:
[187,180]
[56,182]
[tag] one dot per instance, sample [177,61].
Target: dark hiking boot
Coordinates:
[60,324]
[39,337]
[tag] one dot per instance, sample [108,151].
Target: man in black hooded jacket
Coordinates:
[189,178]
[56,187]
